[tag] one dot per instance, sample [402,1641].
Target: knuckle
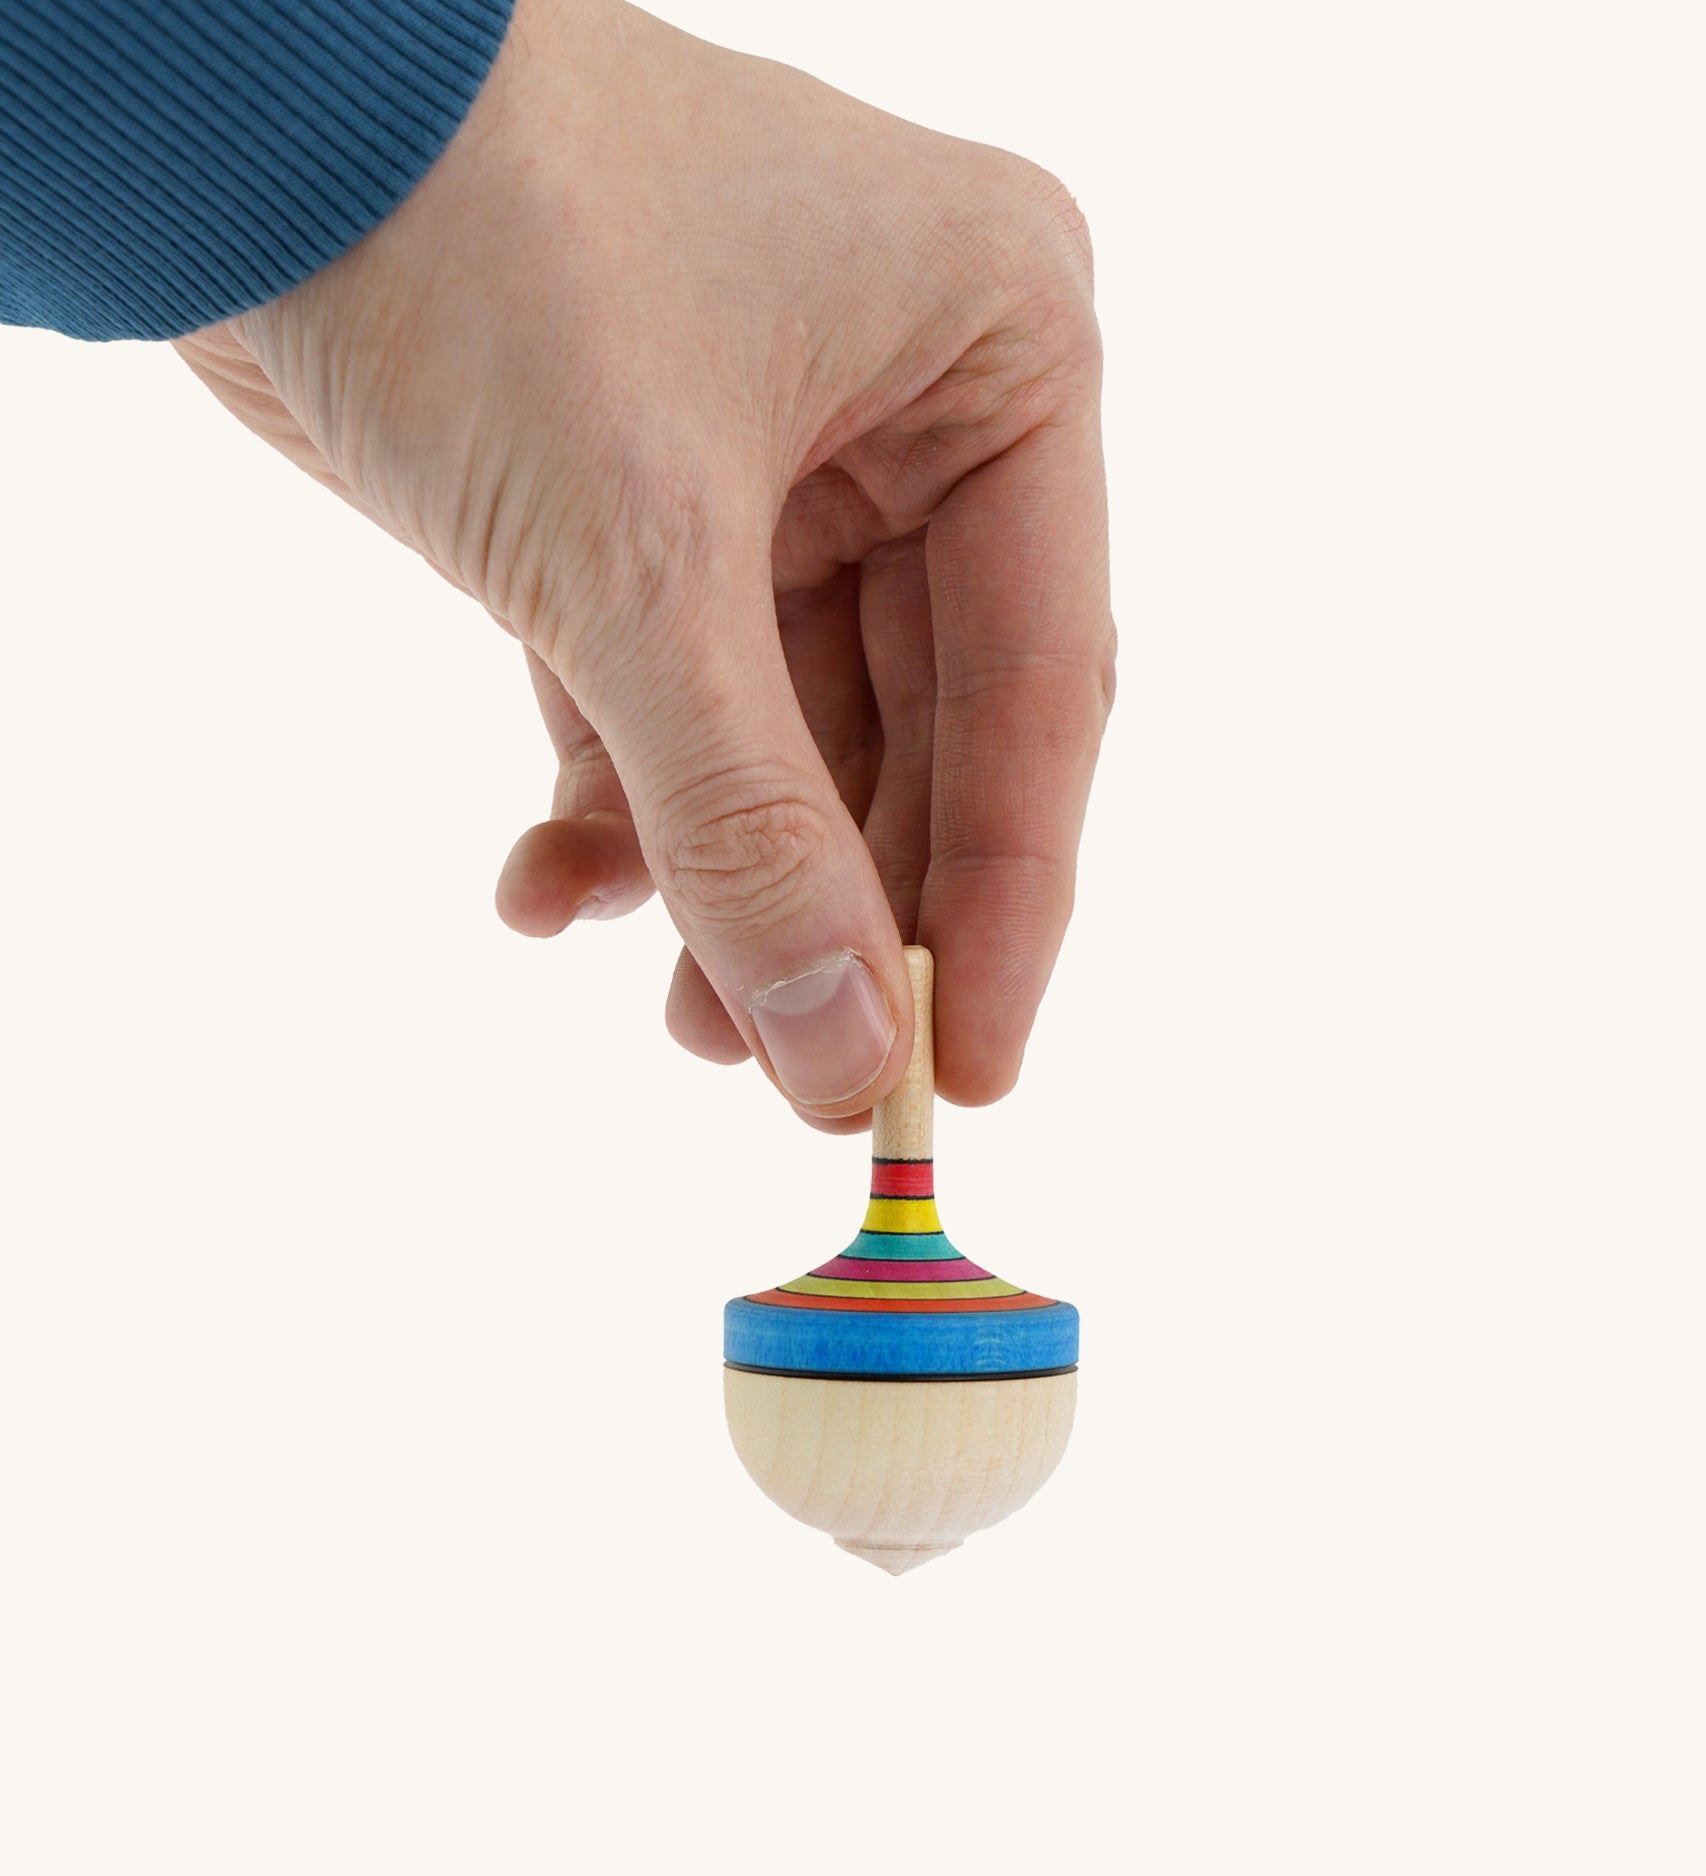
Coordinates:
[631,563]
[1040,252]
[1107,673]
[1053,219]
[657,544]
[586,784]
[740,847]
[1073,228]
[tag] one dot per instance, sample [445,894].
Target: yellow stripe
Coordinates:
[838,1286]
[902,1215]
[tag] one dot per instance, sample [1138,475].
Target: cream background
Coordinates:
[352,1518]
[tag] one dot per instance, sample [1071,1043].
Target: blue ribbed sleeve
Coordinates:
[167,163]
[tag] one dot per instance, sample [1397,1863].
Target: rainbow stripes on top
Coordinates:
[900,1301]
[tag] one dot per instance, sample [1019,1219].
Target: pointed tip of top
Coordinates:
[897,1559]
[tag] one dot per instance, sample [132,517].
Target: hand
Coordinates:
[769,424]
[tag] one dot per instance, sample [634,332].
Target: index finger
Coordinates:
[1018,565]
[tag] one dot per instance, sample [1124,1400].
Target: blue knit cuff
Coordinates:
[168,163]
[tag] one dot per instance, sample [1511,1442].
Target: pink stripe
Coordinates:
[898,1270]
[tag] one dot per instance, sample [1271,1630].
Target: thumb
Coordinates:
[764,871]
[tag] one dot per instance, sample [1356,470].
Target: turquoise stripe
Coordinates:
[902,1246]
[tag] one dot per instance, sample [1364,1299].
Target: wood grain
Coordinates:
[899,1472]
[901,1123]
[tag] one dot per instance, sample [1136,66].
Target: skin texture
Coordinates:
[769,425]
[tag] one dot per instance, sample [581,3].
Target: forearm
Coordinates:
[168,163]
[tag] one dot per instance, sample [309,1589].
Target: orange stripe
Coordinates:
[786,1299]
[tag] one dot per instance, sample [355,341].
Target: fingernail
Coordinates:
[827,1032]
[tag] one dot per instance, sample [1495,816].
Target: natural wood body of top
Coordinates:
[899,1472]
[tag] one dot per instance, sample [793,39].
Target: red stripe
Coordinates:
[948,1305]
[904,1179]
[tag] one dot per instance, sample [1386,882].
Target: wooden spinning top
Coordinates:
[900,1397]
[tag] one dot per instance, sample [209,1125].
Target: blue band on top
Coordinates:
[899,1343]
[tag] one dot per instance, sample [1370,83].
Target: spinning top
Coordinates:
[900,1397]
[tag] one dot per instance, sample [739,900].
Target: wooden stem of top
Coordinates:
[901,1124]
